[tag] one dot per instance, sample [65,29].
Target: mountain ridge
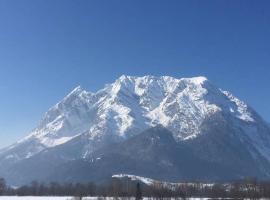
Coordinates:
[191,109]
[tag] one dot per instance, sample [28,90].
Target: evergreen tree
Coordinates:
[2,186]
[138,192]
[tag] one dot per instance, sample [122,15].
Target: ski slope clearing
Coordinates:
[73,198]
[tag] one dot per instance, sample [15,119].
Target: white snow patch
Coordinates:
[149,181]
[34,198]
[242,108]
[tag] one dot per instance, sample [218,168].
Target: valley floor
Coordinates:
[84,198]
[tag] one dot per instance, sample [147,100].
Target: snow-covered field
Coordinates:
[71,198]
[34,198]
[64,198]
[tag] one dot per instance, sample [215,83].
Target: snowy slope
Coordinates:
[149,181]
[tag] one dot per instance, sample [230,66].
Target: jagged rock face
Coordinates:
[190,108]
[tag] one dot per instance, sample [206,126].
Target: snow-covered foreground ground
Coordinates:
[65,198]
[34,198]
[72,198]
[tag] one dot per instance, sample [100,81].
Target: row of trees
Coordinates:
[248,188]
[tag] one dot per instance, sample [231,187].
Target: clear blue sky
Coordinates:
[47,47]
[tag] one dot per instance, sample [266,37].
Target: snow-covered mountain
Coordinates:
[188,107]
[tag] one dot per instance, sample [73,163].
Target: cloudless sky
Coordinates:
[48,47]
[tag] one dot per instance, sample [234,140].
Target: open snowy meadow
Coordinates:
[65,198]
[34,198]
[74,198]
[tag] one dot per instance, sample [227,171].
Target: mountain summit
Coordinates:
[210,122]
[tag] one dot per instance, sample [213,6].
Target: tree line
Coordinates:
[247,188]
